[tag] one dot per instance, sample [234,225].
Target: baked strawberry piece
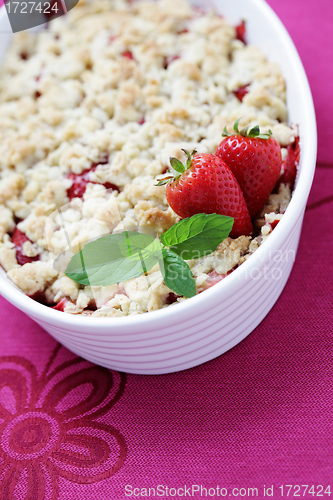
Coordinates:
[213,279]
[128,54]
[255,160]
[241,92]
[19,238]
[241,32]
[61,305]
[205,184]
[80,182]
[168,60]
[290,165]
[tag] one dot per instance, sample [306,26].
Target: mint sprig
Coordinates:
[197,236]
[119,257]
[245,132]
[114,258]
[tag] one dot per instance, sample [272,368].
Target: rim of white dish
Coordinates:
[191,306]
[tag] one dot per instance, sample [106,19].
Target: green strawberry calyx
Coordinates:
[178,168]
[253,133]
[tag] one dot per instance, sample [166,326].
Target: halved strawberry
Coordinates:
[18,238]
[255,160]
[206,185]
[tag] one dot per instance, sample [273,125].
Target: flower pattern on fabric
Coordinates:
[48,428]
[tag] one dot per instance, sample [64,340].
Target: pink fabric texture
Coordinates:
[256,417]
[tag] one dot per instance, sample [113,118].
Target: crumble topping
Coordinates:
[98,104]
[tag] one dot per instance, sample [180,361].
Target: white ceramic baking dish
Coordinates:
[209,324]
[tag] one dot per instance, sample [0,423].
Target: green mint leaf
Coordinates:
[114,258]
[177,165]
[197,236]
[177,275]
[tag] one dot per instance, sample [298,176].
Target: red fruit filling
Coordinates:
[61,305]
[241,92]
[19,238]
[40,297]
[212,279]
[171,298]
[241,32]
[24,56]
[274,223]
[128,54]
[168,60]
[199,11]
[80,182]
[290,165]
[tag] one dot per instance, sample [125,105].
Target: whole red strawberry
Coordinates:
[255,160]
[206,185]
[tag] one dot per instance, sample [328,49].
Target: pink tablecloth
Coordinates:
[258,416]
